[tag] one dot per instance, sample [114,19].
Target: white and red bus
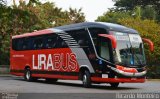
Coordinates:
[94,52]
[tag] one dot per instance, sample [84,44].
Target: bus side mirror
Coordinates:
[110,37]
[149,42]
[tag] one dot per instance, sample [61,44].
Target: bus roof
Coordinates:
[108,26]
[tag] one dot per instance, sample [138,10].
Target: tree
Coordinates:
[2,3]
[75,15]
[70,17]
[22,18]
[49,15]
[4,29]
[113,16]
[125,4]
[149,12]
[131,4]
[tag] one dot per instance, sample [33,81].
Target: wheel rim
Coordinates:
[28,74]
[84,79]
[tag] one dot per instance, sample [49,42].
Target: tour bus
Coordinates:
[93,52]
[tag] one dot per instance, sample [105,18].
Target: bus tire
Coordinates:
[114,85]
[51,80]
[86,79]
[28,75]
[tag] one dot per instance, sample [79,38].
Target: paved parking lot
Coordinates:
[13,84]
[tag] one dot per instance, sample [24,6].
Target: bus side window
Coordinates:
[15,44]
[54,41]
[25,44]
[94,33]
[81,42]
[21,44]
[102,46]
[38,43]
[57,42]
[64,44]
[81,36]
[50,41]
[60,43]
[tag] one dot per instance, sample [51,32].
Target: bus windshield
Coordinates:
[129,51]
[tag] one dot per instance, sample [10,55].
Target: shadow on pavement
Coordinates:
[94,86]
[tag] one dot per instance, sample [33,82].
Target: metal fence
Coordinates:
[4,69]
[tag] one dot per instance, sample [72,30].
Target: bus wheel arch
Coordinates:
[82,71]
[27,67]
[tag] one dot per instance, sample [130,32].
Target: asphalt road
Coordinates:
[13,84]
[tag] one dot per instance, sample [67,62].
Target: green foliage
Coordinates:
[149,5]
[113,17]
[2,3]
[23,18]
[125,4]
[149,12]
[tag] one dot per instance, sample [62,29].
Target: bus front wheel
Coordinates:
[86,79]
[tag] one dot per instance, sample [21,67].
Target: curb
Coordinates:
[5,75]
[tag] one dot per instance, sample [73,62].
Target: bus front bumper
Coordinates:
[118,80]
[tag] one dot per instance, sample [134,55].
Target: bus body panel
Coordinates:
[65,63]
[62,60]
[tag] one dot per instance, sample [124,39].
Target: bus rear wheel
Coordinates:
[114,85]
[28,75]
[86,79]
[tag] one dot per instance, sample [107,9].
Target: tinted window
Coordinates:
[14,44]
[81,36]
[21,44]
[39,42]
[83,39]
[101,45]
[51,41]
[94,33]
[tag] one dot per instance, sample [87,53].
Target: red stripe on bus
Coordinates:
[121,80]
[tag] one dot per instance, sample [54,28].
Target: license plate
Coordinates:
[104,75]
